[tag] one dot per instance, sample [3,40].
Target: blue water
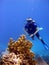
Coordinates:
[13,14]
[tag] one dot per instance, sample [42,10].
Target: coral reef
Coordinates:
[19,53]
[41,61]
[46,58]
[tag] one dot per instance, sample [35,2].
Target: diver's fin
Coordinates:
[46,46]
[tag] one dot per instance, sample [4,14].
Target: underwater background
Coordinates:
[13,14]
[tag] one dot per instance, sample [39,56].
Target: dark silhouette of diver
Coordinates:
[32,29]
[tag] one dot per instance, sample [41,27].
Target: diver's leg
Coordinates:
[38,36]
[45,45]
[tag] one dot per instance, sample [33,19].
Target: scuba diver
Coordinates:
[32,29]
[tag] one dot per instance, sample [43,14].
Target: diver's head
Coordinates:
[30,20]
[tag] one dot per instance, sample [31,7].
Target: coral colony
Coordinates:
[19,53]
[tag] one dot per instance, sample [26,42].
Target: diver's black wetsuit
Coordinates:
[31,28]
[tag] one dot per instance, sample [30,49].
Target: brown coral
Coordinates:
[19,53]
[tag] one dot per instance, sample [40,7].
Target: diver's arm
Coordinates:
[26,33]
[34,33]
[37,29]
[25,30]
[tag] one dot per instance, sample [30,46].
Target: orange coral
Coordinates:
[19,53]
